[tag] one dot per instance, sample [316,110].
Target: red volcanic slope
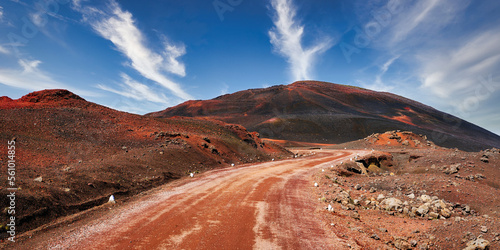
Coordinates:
[322,112]
[85,152]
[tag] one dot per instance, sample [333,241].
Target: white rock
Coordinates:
[423,209]
[112,199]
[439,204]
[322,170]
[391,204]
[477,244]
[316,184]
[330,208]
[411,196]
[191,174]
[380,197]
[38,179]
[425,198]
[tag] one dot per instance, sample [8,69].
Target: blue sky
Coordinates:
[143,56]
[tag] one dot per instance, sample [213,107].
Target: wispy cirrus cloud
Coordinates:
[455,70]
[3,50]
[28,76]
[379,84]
[286,37]
[119,27]
[446,50]
[136,90]
[417,23]
[447,61]
[418,15]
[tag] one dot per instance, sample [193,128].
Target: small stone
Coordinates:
[38,179]
[382,230]
[380,197]
[406,210]
[411,196]
[112,199]
[422,210]
[375,236]
[413,243]
[484,229]
[477,244]
[446,213]
[433,215]
[330,208]
[425,198]
[484,159]
[355,216]
[357,187]
[423,246]
[467,208]
[373,190]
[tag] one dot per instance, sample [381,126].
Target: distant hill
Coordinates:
[322,112]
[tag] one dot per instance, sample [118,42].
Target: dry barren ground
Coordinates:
[266,206]
[281,205]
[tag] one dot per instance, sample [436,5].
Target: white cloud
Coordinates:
[387,64]
[171,54]
[379,84]
[118,26]
[224,90]
[39,19]
[136,90]
[402,26]
[286,37]
[3,50]
[1,13]
[451,71]
[409,21]
[29,77]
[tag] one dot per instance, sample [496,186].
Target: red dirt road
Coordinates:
[262,206]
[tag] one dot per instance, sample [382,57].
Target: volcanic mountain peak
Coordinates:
[322,112]
[50,95]
[44,98]
[5,99]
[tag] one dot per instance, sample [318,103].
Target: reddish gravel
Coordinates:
[265,206]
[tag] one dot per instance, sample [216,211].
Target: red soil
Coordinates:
[85,152]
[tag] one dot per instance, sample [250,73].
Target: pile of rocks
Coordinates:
[489,153]
[423,206]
